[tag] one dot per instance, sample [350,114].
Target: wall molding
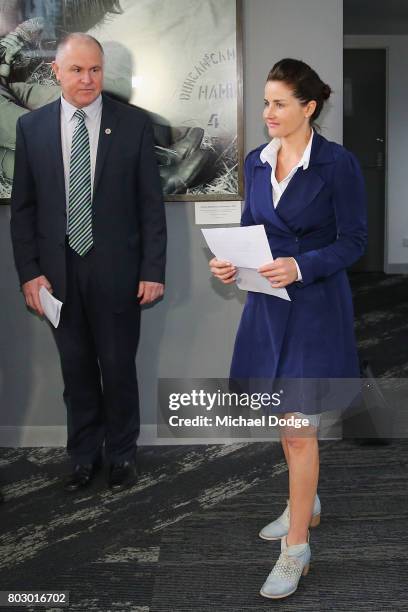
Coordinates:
[400,268]
[55,436]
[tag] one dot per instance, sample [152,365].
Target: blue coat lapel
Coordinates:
[302,189]
[306,184]
[265,210]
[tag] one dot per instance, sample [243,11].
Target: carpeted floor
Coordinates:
[184,539]
[381,312]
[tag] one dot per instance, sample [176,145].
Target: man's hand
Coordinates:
[223,270]
[280,272]
[31,293]
[149,292]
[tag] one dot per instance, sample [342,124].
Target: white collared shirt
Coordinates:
[270,154]
[93,116]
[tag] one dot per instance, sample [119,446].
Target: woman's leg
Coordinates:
[302,450]
[285,448]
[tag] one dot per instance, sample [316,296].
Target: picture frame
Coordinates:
[182,63]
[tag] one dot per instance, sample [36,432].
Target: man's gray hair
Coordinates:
[76,36]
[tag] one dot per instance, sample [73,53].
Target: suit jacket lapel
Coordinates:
[106,134]
[54,141]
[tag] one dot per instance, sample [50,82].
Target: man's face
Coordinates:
[79,70]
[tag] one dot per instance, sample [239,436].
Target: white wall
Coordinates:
[310,30]
[191,333]
[397,143]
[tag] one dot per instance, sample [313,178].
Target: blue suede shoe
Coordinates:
[293,563]
[280,527]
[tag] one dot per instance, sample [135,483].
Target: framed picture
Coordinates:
[181,61]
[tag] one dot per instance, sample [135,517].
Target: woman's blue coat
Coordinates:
[321,222]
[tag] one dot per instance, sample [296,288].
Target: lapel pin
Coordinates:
[108,131]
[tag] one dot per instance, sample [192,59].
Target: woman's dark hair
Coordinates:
[305,82]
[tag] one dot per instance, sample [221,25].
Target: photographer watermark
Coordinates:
[204,409]
[220,399]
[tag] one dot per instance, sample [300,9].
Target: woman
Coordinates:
[309,194]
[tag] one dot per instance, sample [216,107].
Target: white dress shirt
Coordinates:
[270,154]
[93,114]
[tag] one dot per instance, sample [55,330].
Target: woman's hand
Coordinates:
[223,270]
[280,272]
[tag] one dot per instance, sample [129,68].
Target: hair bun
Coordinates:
[326,91]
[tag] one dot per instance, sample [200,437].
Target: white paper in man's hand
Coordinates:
[50,305]
[247,248]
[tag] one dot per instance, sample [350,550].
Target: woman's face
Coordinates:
[283,113]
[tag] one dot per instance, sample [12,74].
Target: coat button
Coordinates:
[296,239]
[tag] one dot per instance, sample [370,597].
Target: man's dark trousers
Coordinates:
[97,348]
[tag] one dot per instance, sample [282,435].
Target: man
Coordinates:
[87,223]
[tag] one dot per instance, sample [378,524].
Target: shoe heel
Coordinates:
[305,570]
[315,521]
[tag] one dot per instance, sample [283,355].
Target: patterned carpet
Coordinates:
[184,539]
[381,311]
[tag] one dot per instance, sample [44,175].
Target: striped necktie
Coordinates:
[80,189]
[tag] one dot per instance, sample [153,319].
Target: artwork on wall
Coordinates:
[180,61]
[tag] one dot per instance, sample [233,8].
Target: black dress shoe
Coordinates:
[122,475]
[81,476]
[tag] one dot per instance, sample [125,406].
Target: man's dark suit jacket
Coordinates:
[129,230]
